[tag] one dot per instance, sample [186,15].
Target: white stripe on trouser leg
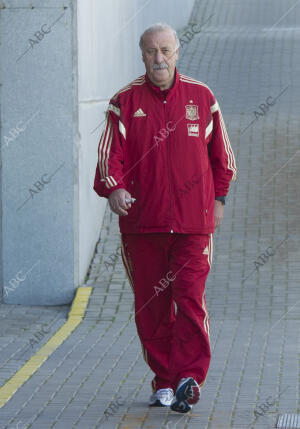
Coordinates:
[127,268]
[210,250]
[206,315]
[144,353]
[207,318]
[209,260]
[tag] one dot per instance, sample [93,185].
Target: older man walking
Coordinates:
[165,164]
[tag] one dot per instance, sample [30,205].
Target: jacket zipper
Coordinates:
[169,169]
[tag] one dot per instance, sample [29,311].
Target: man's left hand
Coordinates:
[219,213]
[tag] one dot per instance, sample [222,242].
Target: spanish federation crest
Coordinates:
[191,112]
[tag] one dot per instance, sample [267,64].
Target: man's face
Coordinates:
[160,56]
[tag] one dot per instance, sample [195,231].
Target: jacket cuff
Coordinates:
[110,190]
[220,194]
[100,188]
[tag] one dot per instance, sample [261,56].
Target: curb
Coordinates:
[75,317]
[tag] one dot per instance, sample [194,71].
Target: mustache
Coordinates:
[160,66]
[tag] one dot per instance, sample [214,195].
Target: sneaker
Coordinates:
[187,393]
[161,398]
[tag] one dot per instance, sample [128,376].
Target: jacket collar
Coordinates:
[167,92]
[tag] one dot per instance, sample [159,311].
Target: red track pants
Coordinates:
[164,268]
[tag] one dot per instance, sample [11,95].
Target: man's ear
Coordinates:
[143,58]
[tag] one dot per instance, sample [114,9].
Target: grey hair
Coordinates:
[160,26]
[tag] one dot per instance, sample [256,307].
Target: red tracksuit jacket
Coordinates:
[170,150]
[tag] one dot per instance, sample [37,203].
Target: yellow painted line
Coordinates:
[75,317]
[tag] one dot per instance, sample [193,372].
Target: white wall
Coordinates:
[109,57]
[38,105]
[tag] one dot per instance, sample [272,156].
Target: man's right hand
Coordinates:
[117,201]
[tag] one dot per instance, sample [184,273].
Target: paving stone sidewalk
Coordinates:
[247,52]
